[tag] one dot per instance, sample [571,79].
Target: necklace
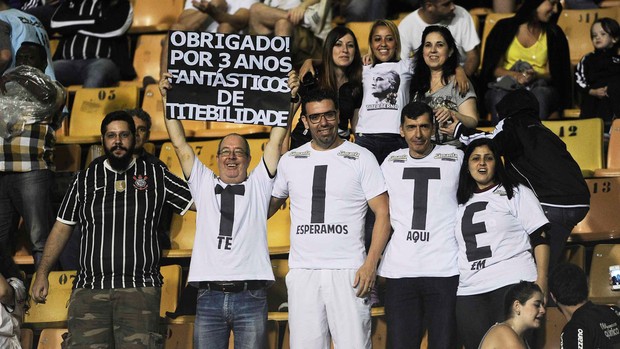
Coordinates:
[435,85]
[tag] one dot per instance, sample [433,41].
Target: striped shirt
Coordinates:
[119,213]
[30,151]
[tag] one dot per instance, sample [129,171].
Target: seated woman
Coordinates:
[529,51]
[524,308]
[340,71]
[498,225]
[13,299]
[434,82]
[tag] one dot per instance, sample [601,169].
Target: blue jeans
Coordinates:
[562,220]
[412,304]
[217,313]
[26,194]
[101,72]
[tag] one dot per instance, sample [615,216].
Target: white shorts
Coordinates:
[322,306]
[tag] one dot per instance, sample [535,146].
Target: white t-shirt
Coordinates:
[461,26]
[233,7]
[224,252]
[283,4]
[422,212]
[386,92]
[328,192]
[493,237]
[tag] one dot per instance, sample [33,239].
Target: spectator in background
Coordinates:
[26,166]
[339,71]
[528,51]
[93,50]
[221,16]
[598,73]
[501,234]
[13,299]
[42,9]
[118,204]
[589,325]
[524,310]
[444,13]
[362,10]
[17,27]
[308,22]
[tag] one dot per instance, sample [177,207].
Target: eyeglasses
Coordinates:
[316,118]
[227,152]
[113,135]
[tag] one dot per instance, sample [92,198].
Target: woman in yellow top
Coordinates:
[529,51]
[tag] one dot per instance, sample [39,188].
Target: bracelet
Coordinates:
[295,99]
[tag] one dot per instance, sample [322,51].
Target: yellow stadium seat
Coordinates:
[67,157]
[182,233]
[26,338]
[90,107]
[489,22]
[155,16]
[601,222]
[362,33]
[548,337]
[613,153]
[477,13]
[179,336]
[54,312]
[576,26]
[51,338]
[279,230]
[170,290]
[584,141]
[575,254]
[600,291]
[146,59]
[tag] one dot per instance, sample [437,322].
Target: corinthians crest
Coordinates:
[140,182]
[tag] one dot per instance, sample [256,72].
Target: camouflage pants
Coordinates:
[124,318]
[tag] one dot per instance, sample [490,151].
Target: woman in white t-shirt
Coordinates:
[385,85]
[499,225]
[524,308]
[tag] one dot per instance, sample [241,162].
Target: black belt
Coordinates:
[233,286]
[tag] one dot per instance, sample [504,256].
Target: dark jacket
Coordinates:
[534,155]
[501,36]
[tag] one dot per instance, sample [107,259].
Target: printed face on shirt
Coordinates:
[435,50]
[546,9]
[118,144]
[383,44]
[31,56]
[142,133]
[233,160]
[481,164]
[600,38]
[417,134]
[533,311]
[343,51]
[322,120]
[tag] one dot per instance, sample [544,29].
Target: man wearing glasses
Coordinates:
[331,183]
[230,261]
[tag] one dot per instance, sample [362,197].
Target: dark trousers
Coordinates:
[411,304]
[476,314]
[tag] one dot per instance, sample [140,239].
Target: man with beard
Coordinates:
[447,14]
[118,202]
[331,183]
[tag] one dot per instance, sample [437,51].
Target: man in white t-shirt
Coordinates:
[221,16]
[420,261]
[230,261]
[331,183]
[446,13]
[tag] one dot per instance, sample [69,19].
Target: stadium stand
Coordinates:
[612,168]
[601,222]
[149,17]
